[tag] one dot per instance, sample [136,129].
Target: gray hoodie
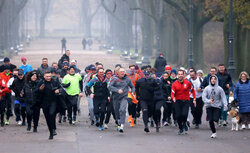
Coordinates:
[216,93]
[124,84]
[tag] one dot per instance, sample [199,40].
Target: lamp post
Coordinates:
[158,27]
[231,67]
[190,35]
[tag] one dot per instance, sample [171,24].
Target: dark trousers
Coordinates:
[2,108]
[148,108]
[157,113]
[50,116]
[71,102]
[99,108]
[168,110]
[131,108]
[213,115]
[20,110]
[8,102]
[198,110]
[109,110]
[181,108]
[33,113]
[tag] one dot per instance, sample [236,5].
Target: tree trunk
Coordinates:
[198,54]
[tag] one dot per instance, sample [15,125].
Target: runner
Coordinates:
[25,67]
[120,88]
[180,96]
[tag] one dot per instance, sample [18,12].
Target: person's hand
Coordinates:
[42,86]
[169,82]
[194,101]
[228,86]
[199,89]
[211,101]
[1,91]
[92,96]
[120,91]
[56,91]
[81,94]
[174,100]
[108,99]
[169,98]
[21,94]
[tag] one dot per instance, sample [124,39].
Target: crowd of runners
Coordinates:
[160,94]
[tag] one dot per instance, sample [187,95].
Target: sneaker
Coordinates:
[248,126]
[73,122]
[51,137]
[70,122]
[92,122]
[132,124]
[129,118]
[19,122]
[97,124]
[118,128]
[54,132]
[7,122]
[28,128]
[224,123]
[121,129]
[213,135]
[35,130]
[105,126]
[165,123]
[180,132]
[146,129]
[220,123]
[64,119]
[243,126]
[100,128]
[152,123]
[186,129]
[23,123]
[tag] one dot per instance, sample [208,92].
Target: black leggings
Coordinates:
[157,113]
[181,109]
[2,108]
[198,110]
[99,108]
[148,108]
[20,111]
[213,115]
[131,108]
[109,111]
[71,102]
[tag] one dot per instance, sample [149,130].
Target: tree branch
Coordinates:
[111,12]
[178,8]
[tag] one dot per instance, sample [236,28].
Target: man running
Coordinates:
[120,88]
[180,96]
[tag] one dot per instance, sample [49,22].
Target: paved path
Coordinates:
[83,138]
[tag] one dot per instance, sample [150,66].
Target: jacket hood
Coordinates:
[217,81]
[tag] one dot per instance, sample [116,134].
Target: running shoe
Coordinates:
[7,122]
[213,135]
[180,132]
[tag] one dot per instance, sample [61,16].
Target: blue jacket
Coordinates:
[242,94]
[27,68]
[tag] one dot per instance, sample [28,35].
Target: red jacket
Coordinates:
[6,80]
[181,90]
[3,87]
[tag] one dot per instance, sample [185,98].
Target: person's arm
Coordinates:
[137,89]
[223,98]
[132,87]
[65,82]
[173,92]
[204,96]
[112,87]
[89,85]
[236,92]
[193,91]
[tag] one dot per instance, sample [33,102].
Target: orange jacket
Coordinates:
[133,80]
[3,88]
[6,78]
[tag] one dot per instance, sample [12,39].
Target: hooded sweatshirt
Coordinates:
[216,93]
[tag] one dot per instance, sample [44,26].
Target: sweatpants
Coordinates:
[131,108]
[213,115]
[2,108]
[71,102]
[157,113]
[91,108]
[181,109]
[33,113]
[50,116]
[120,107]
[20,110]
[197,111]
[109,111]
[99,109]
[148,108]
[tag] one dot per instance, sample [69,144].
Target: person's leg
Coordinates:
[102,110]
[30,113]
[199,108]
[107,112]
[52,115]
[144,107]
[224,113]
[178,111]
[36,116]
[116,104]
[69,108]
[157,113]
[74,104]
[17,110]
[122,110]
[91,108]
[8,105]
[193,111]
[47,117]
[2,110]
[185,111]
[130,103]
[23,112]
[96,102]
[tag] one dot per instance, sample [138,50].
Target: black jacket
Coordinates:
[224,80]
[30,91]
[166,89]
[12,67]
[160,64]
[145,89]
[100,88]
[17,87]
[61,60]
[48,93]
[63,73]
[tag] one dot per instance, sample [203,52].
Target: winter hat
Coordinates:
[20,72]
[65,64]
[93,68]
[23,58]
[200,71]
[53,70]
[6,59]
[168,67]
[173,71]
